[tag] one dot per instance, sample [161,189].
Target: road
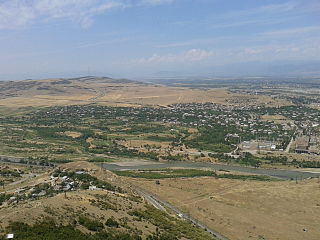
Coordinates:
[17,161]
[160,204]
[289,146]
[25,178]
[150,199]
[276,173]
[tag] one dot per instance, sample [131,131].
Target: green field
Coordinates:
[187,173]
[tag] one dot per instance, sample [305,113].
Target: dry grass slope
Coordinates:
[127,210]
[246,209]
[113,92]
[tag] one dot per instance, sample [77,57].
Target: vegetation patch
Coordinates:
[174,228]
[250,160]
[53,231]
[90,224]
[165,173]
[188,173]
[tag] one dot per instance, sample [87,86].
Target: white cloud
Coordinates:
[270,9]
[193,55]
[268,52]
[19,13]
[292,31]
[285,51]
[14,13]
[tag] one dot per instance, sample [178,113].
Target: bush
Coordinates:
[90,224]
[111,222]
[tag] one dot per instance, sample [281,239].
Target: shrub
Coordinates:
[90,224]
[111,222]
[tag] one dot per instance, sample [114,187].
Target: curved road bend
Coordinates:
[160,204]
[276,173]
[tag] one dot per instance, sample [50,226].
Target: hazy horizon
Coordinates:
[158,38]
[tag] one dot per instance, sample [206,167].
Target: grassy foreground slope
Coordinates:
[81,201]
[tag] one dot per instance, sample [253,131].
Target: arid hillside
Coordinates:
[246,209]
[82,200]
[114,92]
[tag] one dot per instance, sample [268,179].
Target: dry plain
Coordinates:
[112,92]
[246,209]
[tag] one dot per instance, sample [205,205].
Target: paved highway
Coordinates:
[160,204]
[150,199]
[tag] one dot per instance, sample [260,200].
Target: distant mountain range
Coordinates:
[63,87]
[247,69]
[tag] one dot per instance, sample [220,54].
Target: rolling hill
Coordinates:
[112,92]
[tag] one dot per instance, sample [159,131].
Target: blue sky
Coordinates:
[150,38]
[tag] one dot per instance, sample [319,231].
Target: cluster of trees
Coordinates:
[90,224]
[180,173]
[4,197]
[9,173]
[166,173]
[307,164]
[211,139]
[245,159]
[250,160]
[178,157]
[118,150]
[276,160]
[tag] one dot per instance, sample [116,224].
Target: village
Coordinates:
[178,132]
[59,181]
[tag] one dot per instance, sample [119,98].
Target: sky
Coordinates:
[154,38]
